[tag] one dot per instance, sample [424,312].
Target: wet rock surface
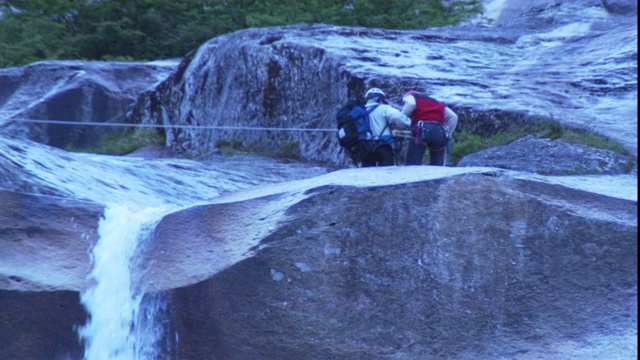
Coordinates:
[515,268]
[474,263]
[46,241]
[621,7]
[40,324]
[548,157]
[71,92]
[44,261]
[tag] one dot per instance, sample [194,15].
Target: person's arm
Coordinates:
[396,117]
[409,105]
[450,119]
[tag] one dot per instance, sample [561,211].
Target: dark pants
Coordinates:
[415,153]
[431,135]
[382,156]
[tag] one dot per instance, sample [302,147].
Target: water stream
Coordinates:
[113,330]
[136,192]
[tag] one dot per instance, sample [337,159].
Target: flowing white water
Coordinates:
[125,322]
[114,330]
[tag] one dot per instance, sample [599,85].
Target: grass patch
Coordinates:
[577,170]
[289,150]
[555,131]
[229,147]
[593,140]
[124,142]
[283,150]
[467,143]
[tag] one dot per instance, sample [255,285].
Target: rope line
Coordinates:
[219,127]
[396,133]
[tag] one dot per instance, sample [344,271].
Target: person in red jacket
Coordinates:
[433,124]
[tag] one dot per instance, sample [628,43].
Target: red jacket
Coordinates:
[427,109]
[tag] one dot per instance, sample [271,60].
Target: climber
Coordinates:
[382,119]
[433,124]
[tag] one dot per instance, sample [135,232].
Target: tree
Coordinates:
[33,30]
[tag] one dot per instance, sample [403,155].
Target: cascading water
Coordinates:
[119,327]
[125,321]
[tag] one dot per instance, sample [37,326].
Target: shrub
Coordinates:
[229,147]
[289,150]
[467,143]
[124,142]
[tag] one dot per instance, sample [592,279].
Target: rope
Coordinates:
[397,133]
[63,122]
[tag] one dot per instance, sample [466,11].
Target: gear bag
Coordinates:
[354,131]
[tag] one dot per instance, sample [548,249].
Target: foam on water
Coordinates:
[114,304]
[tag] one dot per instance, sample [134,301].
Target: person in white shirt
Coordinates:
[383,119]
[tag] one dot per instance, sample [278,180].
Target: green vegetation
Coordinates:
[124,142]
[284,150]
[142,30]
[229,147]
[466,143]
[288,150]
[577,170]
[581,136]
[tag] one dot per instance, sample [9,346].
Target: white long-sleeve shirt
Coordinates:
[386,113]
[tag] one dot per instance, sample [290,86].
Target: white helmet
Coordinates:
[374,92]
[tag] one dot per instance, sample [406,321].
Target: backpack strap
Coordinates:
[379,140]
[382,131]
[369,111]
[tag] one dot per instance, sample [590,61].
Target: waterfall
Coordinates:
[121,322]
